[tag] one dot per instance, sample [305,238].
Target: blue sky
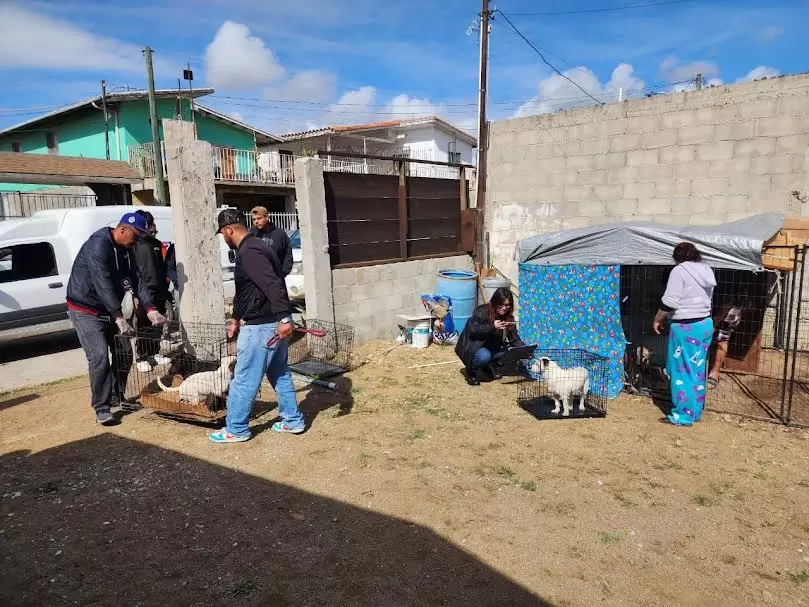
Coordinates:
[288,66]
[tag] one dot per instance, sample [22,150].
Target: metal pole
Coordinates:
[106,117]
[793,275]
[788,418]
[160,181]
[480,200]
[191,101]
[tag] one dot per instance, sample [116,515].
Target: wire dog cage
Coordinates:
[759,358]
[569,383]
[321,357]
[165,358]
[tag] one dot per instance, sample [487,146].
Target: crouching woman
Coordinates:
[687,302]
[487,335]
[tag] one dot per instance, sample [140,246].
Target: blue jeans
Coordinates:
[254,360]
[485,357]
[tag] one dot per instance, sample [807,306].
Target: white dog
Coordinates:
[563,383]
[196,387]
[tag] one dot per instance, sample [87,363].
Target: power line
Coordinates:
[612,9]
[545,61]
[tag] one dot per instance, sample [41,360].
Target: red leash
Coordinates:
[313,332]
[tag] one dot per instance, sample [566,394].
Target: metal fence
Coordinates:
[286,221]
[760,351]
[24,204]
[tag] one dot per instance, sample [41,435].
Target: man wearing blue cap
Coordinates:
[100,296]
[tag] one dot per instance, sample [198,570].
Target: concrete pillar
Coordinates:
[311,196]
[193,203]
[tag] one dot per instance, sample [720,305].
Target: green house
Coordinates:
[243,176]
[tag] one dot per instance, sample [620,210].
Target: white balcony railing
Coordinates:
[230,164]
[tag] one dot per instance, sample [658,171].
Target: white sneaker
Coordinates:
[162,360]
[144,366]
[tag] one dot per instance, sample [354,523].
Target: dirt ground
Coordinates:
[411,489]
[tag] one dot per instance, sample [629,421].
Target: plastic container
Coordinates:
[462,288]
[490,285]
[421,335]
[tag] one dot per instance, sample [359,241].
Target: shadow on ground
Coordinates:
[42,345]
[108,520]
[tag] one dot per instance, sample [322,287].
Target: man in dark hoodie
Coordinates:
[100,295]
[152,274]
[273,237]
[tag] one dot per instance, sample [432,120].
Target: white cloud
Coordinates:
[403,106]
[757,73]
[556,92]
[674,72]
[238,61]
[32,40]
[769,34]
[355,106]
[308,85]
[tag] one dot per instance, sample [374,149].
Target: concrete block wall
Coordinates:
[692,158]
[370,298]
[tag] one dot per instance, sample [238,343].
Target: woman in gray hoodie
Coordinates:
[687,304]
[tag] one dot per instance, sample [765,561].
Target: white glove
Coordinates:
[155,317]
[124,328]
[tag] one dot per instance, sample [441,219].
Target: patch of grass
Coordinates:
[804,483]
[721,488]
[800,577]
[505,472]
[667,464]
[415,434]
[529,485]
[625,501]
[424,465]
[704,501]
[356,390]
[365,456]
[244,588]
[768,524]
[609,538]
[761,475]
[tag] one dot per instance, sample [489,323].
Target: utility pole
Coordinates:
[106,118]
[699,80]
[483,140]
[160,183]
[188,74]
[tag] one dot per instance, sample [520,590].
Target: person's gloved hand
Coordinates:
[124,328]
[155,317]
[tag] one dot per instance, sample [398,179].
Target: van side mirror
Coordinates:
[232,256]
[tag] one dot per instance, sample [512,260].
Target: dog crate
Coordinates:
[321,357]
[152,366]
[575,375]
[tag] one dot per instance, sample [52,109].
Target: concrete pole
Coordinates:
[199,266]
[311,196]
[160,180]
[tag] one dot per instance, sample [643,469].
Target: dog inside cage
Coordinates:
[565,383]
[192,378]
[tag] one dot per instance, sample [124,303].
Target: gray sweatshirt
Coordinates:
[689,291]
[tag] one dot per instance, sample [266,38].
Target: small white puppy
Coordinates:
[563,383]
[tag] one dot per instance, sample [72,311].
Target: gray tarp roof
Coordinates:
[735,245]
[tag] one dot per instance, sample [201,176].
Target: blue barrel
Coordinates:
[462,288]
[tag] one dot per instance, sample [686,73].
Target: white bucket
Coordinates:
[491,284]
[421,335]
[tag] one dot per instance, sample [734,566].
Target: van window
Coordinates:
[27,261]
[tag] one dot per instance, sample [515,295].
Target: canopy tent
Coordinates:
[736,245]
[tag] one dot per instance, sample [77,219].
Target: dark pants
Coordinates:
[149,343]
[97,338]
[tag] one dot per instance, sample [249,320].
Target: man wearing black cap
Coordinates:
[260,313]
[100,299]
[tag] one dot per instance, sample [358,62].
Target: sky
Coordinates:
[286,66]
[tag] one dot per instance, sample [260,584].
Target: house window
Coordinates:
[26,262]
[16,146]
[452,154]
[51,143]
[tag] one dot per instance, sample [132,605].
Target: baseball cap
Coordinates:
[262,211]
[226,218]
[134,220]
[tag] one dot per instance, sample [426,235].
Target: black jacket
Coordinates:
[278,241]
[261,295]
[479,332]
[152,269]
[101,275]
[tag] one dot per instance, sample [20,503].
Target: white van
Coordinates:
[36,256]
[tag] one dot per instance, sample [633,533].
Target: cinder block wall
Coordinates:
[370,298]
[690,158]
